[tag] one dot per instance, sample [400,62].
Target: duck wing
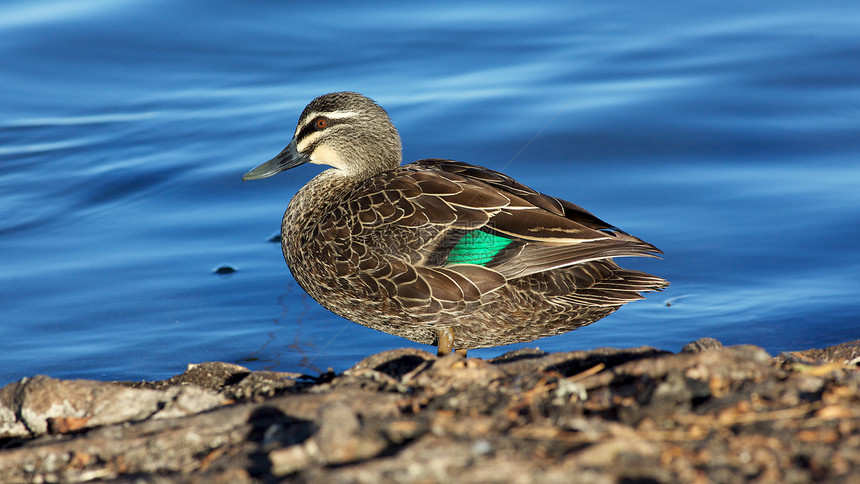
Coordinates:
[456,232]
[534,232]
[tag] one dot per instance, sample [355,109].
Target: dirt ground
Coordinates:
[706,414]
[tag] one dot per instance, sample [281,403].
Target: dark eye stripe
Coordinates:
[312,127]
[305,131]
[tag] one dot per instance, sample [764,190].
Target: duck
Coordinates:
[438,251]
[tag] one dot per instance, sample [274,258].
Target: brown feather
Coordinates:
[371,240]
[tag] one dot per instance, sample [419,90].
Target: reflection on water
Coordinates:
[725,134]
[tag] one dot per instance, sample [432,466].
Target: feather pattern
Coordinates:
[440,247]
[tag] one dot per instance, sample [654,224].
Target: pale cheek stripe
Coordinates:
[307,141]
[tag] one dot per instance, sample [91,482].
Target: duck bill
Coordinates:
[289,158]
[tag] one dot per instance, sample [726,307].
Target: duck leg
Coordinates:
[444,341]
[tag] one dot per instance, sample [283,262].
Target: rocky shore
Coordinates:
[706,414]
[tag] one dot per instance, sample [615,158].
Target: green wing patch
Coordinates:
[476,247]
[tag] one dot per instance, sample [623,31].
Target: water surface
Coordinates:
[725,133]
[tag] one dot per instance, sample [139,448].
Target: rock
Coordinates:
[39,405]
[708,413]
[702,344]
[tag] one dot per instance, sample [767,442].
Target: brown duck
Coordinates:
[438,251]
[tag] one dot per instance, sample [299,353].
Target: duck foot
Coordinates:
[444,341]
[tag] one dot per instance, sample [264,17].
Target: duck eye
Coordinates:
[321,123]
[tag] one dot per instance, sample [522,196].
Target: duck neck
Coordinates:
[318,196]
[308,212]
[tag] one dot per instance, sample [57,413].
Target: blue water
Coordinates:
[726,133]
